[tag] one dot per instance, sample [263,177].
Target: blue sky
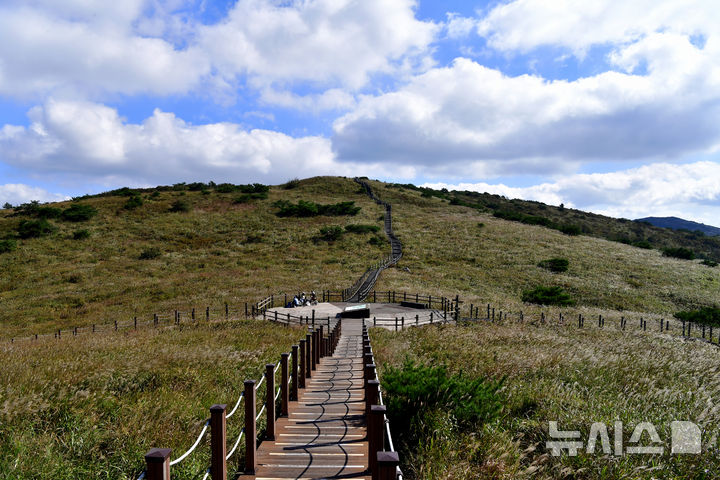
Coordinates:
[608,106]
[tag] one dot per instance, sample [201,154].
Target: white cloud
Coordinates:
[690,191]
[341,42]
[465,114]
[82,141]
[48,51]
[523,25]
[17,193]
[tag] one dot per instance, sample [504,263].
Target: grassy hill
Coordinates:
[113,396]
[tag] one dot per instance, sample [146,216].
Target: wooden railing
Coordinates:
[384,462]
[295,367]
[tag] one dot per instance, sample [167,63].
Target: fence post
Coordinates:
[115,328]
[301,377]
[207,313]
[250,427]
[218,442]
[431,317]
[227,310]
[308,355]
[192,315]
[371,393]
[270,400]
[284,387]
[157,464]
[387,464]
[375,433]
[293,395]
[135,322]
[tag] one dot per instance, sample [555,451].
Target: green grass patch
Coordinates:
[548,296]
[556,265]
[359,228]
[7,245]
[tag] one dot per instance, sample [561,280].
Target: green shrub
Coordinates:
[548,296]
[377,240]
[79,212]
[568,229]
[705,315]
[556,265]
[226,188]
[133,202]
[359,228]
[679,252]
[305,208]
[35,228]
[331,233]
[197,187]
[709,263]
[480,224]
[48,212]
[258,188]
[7,206]
[180,206]
[150,253]
[294,183]
[81,234]
[643,244]
[7,245]
[414,391]
[248,197]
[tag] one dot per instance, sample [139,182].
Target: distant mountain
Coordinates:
[676,223]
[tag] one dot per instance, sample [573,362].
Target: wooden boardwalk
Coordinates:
[324,435]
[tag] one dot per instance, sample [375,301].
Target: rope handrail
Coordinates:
[237,404]
[197,442]
[237,442]
[262,379]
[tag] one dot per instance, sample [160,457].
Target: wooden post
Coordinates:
[284,387]
[371,393]
[402,320]
[227,310]
[192,315]
[387,464]
[294,374]
[431,317]
[157,464]
[417,320]
[308,355]
[270,400]
[218,442]
[115,328]
[374,297]
[396,324]
[250,427]
[375,433]
[134,322]
[301,377]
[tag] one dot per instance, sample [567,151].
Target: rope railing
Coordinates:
[158,460]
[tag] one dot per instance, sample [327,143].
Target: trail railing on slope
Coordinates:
[304,357]
[366,282]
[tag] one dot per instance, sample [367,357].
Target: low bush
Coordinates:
[35,228]
[643,244]
[248,197]
[548,296]
[556,265]
[305,208]
[79,212]
[133,202]
[709,263]
[7,245]
[359,228]
[257,188]
[705,315]
[331,233]
[377,240]
[294,183]
[81,234]
[7,206]
[414,391]
[180,206]
[226,188]
[150,253]
[679,252]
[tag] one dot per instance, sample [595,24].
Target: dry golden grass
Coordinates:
[572,376]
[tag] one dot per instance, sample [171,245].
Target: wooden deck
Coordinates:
[324,435]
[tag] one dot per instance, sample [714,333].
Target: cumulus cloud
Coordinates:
[690,191]
[91,49]
[523,25]
[17,193]
[338,41]
[82,140]
[467,113]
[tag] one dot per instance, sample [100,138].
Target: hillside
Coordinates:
[676,223]
[92,405]
[578,222]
